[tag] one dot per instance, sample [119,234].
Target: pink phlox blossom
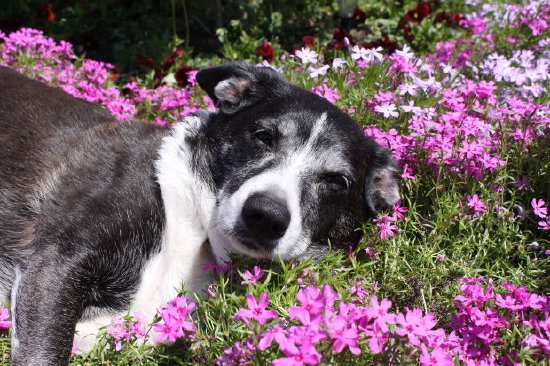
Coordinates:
[238,354]
[257,309]
[401,64]
[217,268]
[175,320]
[5,323]
[328,93]
[252,279]
[538,208]
[476,206]
[276,333]
[386,226]
[298,355]
[437,357]
[129,328]
[343,334]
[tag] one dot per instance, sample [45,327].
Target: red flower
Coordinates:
[145,62]
[407,32]
[170,60]
[113,73]
[45,12]
[181,75]
[266,51]
[423,9]
[309,41]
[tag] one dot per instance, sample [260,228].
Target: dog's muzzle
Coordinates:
[266,219]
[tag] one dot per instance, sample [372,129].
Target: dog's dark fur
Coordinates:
[91,209]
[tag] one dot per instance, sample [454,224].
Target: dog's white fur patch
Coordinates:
[14,292]
[188,204]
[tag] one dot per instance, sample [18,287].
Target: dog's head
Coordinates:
[291,171]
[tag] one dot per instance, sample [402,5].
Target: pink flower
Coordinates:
[257,310]
[438,357]
[343,334]
[4,316]
[476,205]
[252,279]
[538,208]
[304,354]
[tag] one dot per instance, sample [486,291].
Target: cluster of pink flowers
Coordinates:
[5,323]
[323,326]
[32,53]
[386,223]
[127,329]
[175,321]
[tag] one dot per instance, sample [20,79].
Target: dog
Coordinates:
[99,216]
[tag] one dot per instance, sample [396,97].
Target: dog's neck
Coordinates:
[188,206]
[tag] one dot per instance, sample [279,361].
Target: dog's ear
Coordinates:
[235,86]
[382,182]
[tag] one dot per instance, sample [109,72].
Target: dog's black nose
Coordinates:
[264,217]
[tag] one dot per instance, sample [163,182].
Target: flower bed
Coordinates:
[450,275]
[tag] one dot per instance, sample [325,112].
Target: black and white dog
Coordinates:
[99,216]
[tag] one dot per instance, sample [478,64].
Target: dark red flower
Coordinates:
[423,9]
[359,15]
[407,32]
[181,75]
[168,62]
[178,52]
[338,38]
[309,41]
[45,12]
[113,73]
[266,51]
[145,62]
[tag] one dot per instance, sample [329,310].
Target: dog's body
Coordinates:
[98,216]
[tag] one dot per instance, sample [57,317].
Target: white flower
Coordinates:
[410,108]
[358,53]
[307,56]
[405,52]
[387,110]
[407,89]
[375,54]
[316,72]
[339,63]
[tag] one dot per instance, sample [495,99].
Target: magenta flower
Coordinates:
[343,334]
[175,320]
[257,310]
[438,357]
[4,316]
[538,208]
[476,206]
[252,279]
[304,354]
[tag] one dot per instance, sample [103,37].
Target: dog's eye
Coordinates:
[336,181]
[265,137]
